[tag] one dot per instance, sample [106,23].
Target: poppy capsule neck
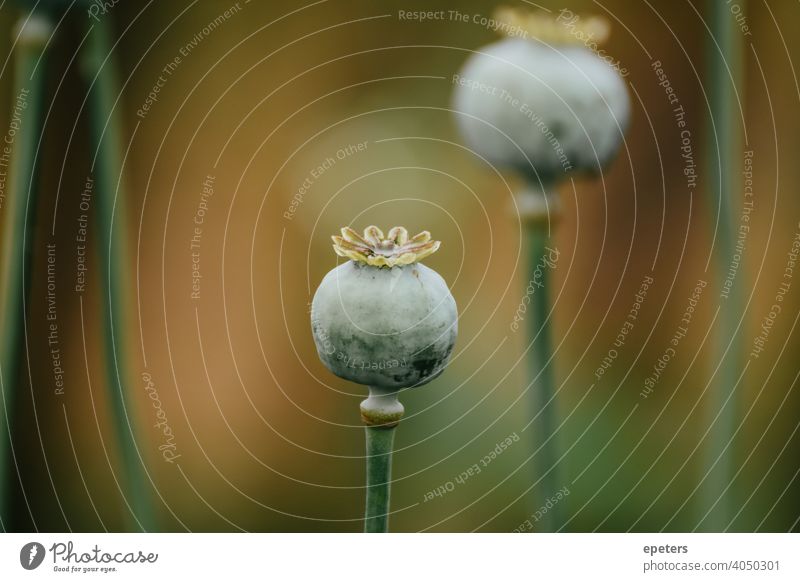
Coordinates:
[382,409]
[537,204]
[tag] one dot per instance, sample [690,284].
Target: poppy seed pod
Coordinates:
[382,319]
[541,101]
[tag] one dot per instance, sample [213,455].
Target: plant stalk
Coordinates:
[539,209]
[107,139]
[380,441]
[381,413]
[17,214]
[725,153]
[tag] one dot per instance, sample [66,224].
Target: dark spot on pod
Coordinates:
[426,366]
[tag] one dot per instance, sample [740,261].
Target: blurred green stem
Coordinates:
[725,153]
[107,139]
[538,207]
[380,441]
[17,214]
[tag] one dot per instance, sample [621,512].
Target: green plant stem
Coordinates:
[112,244]
[538,217]
[725,154]
[17,227]
[380,441]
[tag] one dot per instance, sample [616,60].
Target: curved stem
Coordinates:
[380,441]
[17,210]
[540,208]
[106,134]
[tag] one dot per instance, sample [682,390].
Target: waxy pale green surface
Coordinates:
[390,328]
[557,108]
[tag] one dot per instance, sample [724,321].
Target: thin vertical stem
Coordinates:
[542,363]
[380,441]
[106,131]
[724,152]
[538,206]
[18,213]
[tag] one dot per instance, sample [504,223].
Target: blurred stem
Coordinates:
[17,226]
[726,187]
[380,441]
[99,68]
[538,207]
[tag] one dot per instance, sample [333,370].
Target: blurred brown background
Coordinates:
[268,439]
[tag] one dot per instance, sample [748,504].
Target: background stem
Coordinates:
[537,231]
[725,153]
[106,131]
[380,442]
[17,227]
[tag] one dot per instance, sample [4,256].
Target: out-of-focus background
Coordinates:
[343,108]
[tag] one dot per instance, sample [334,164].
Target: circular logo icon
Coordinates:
[31,555]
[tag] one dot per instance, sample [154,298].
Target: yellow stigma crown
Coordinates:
[563,28]
[375,249]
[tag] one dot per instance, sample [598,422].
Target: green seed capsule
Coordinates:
[391,326]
